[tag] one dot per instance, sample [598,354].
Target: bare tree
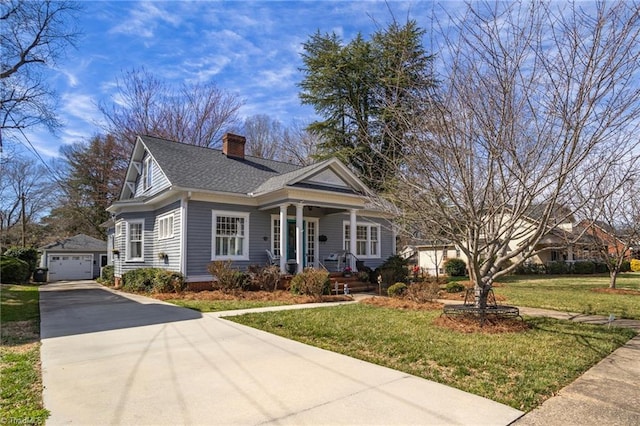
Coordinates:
[614,220]
[537,97]
[264,136]
[22,177]
[196,114]
[33,36]
[300,146]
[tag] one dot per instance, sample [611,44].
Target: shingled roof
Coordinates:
[195,167]
[80,242]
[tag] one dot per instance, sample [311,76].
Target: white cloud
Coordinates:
[145,18]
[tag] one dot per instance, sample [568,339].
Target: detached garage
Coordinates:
[75,258]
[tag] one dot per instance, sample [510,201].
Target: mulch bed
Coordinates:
[397,303]
[491,325]
[278,295]
[628,291]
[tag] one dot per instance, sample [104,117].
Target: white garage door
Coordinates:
[70,267]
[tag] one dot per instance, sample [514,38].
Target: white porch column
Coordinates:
[352,239]
[299,236]
[283,238]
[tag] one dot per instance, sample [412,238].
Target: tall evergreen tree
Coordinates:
[359,89]
[91,183]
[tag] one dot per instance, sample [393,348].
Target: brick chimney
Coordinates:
[233,145]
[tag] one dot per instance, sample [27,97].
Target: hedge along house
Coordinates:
[183,206]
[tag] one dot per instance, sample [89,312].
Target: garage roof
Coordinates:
[80,242]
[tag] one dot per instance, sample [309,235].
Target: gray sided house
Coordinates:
[183,206]
[75,258]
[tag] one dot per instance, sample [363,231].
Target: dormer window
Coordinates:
[147,173]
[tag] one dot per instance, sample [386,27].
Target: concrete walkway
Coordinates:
[119,359]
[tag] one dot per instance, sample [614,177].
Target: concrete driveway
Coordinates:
[114,358]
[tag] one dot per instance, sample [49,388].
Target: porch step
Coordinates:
[353,284]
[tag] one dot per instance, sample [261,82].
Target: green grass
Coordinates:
[19,303]
[224,305]
[573,294]
[20,377]
[517,369]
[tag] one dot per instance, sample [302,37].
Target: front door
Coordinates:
[291,241]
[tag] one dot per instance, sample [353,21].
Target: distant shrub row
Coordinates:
[564,268]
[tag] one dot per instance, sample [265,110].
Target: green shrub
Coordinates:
[635,265]
[455,267]
[226,278]
[626,266]
[557,268]
[311,282]
[14,270]
[397,290]
[584,267]
[363,276]
[602,267]
[152,280]
[106,276]
[138,280]
[530,268]
[264,277]
[29,255]
[166,281]
[394,270]
[454,287]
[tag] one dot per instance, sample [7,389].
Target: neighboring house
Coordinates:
[562,243]
[183,206]
[600,238]
[76,258]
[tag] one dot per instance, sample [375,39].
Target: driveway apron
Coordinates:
[110,358]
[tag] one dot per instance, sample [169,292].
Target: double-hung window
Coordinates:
[367,240]
[135,240]
[230,236]
[165,227]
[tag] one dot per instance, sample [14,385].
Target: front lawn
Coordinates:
[518,369]
[20,377]
[574,293]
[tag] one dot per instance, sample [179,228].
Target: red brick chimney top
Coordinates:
[233,145]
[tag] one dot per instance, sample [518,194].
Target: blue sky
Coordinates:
[249,48]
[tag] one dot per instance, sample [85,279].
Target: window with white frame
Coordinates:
[165,227]
[230,236]
[147,173]
[135,240]
[367,239]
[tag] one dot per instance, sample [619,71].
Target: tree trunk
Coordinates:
[613,276]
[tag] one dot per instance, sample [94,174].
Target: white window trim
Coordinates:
[167,217]
[369,225]
[118,230]
[245,246]
[128,241]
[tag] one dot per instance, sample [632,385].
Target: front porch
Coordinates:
[326,237]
